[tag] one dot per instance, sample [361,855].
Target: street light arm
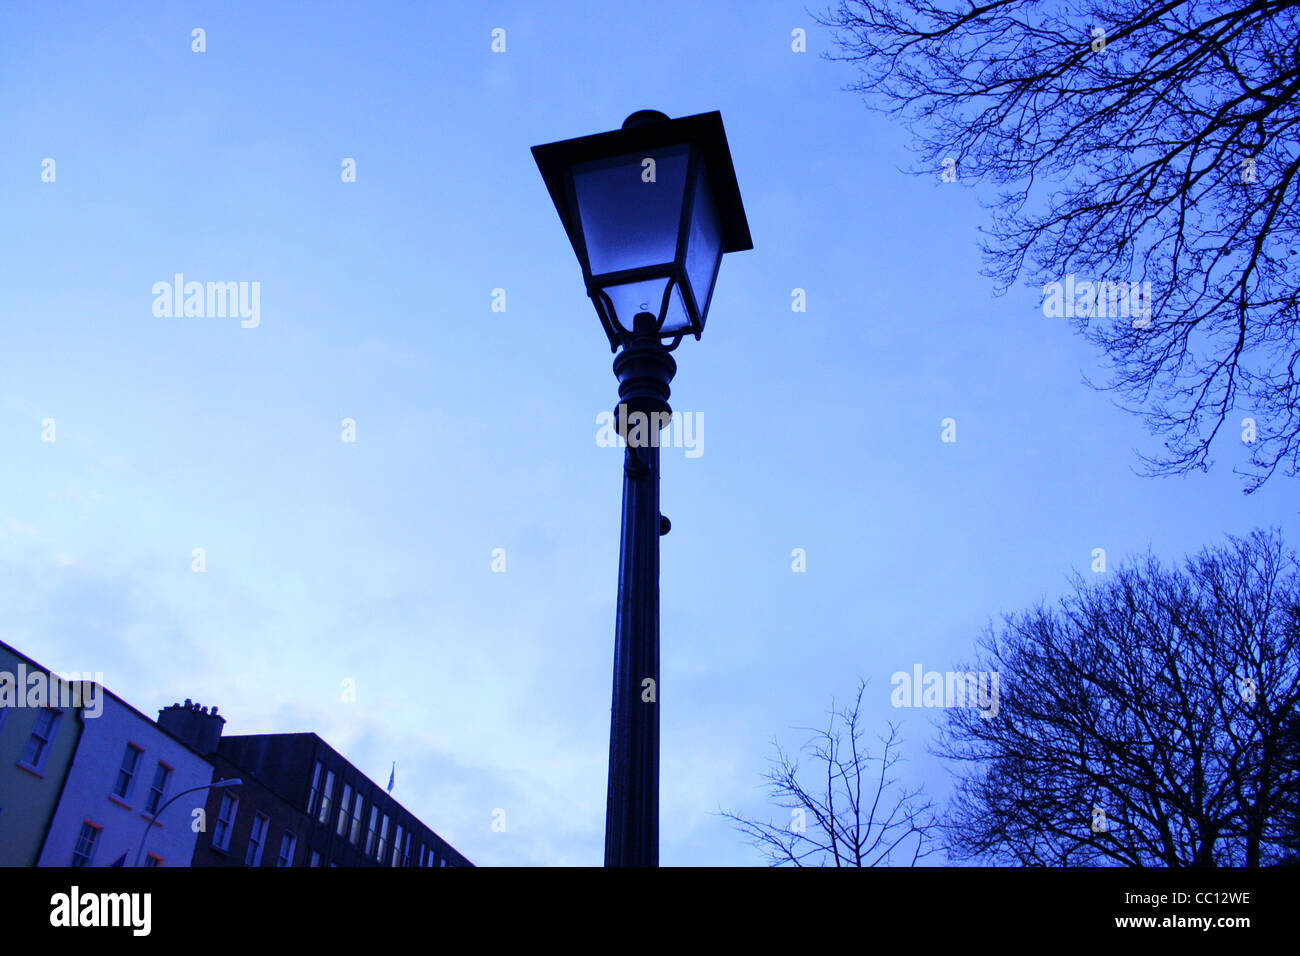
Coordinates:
[157,813]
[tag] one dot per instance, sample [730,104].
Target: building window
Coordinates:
[344,806]
[406,850]
[162,775]
[358,811]
[126,774]
[315,857]
[38,744]
[288,843]
[256,840]
[87,840]
[383,839]
[327,798]
[373,830]
[313,801]
[397,847]
[423,855]
[225,821]
[152,859]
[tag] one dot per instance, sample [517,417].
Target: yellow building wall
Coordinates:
[27,799]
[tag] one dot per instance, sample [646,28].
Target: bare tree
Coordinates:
[1133,142]
[851,815]
[1286,828]
[1144,721]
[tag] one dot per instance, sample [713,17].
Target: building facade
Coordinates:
[306,795]
[87,780]
[249,825]
[124,771]
[36,748]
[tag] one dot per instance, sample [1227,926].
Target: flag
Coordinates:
[392,775]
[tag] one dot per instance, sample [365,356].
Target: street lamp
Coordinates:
[649,209]
[232,782]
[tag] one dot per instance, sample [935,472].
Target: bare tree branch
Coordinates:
[1131,141]
[1160,699]
[846,834]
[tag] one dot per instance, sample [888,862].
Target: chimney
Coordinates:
[192,725]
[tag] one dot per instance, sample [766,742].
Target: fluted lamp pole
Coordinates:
[649,210]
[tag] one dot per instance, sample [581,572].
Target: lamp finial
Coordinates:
[642,117]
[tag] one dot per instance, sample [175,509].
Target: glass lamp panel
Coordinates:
[704,244]
[628,222]
[677,319]
[633,297]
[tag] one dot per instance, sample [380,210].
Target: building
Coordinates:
[301,804]
[36,748]
[248,825]
[353,821]
[87,780]
[124,789]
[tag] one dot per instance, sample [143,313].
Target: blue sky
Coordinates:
[371,561]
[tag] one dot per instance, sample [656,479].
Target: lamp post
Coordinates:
[649,209]
[232,782]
